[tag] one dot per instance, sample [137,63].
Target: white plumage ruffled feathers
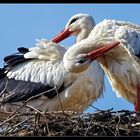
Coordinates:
[46,50]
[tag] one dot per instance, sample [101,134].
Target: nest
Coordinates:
[68,123]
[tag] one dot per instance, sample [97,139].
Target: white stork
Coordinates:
[122,64]
[79,25]
[38,70]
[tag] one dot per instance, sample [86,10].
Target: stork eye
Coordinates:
[82,60]
[73,20]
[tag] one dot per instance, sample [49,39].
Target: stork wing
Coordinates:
[45,50]
[16,90]
[30,78]
[129,35]
[21,78]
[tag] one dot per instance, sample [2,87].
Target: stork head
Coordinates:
[79,25]
[78,60]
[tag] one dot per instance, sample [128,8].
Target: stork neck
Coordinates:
[83,34]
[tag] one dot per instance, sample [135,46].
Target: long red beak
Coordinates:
[93,54]
[101,51]
[62,35]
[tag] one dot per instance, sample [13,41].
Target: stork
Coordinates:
[79,25]
[121,64]
[84,24]
[32,75]
[36,71]
[26,68]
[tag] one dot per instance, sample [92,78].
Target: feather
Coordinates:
[23,50]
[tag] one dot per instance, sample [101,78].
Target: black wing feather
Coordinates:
[13,62]
[23,90]
[15,59]
[23,50]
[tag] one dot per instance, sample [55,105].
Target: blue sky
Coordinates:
[21,24]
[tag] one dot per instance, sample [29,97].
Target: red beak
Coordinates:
[62,35]
[101,51]
[93,54]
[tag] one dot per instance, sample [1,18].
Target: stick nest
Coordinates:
[99,123]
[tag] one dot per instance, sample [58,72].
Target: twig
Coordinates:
[117,125]
[9,131]
[136,124]
[35,109]
[95,107]
[59,99]
[49,134]
[77,105]
[2,92]
[25,102]
[8,119]
[107,127]
[88,126]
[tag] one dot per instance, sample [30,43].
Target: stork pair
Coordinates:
[50,71]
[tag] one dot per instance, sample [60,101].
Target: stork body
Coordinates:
[121,64]
[40,69]
[42,73]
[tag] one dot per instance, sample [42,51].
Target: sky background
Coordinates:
[21,24]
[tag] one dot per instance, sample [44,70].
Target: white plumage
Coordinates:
[47,52]
[121,64]
[52,73]
[44,68]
